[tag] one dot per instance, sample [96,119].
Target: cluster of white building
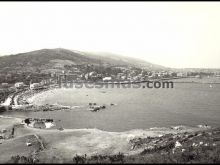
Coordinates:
[33,86]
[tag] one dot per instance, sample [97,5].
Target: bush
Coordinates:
[23,160]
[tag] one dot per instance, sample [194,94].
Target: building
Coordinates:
[19,85]
[5,85]
[35,86]
[181,74]
[107,79]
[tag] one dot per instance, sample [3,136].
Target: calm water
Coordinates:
[186,104]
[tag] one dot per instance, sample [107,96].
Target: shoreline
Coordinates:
[17,97]
[68,145]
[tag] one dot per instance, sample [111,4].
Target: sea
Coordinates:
[188,104]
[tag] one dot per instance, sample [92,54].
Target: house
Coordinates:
[44,82]
[107,79]
[92,74]
[35,86]
[19,85]
[29,144]
[5,85]
[123,77]
[180,74]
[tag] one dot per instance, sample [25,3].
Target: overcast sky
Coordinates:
[173,34]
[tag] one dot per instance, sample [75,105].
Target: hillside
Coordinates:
[123,60]
[57,58]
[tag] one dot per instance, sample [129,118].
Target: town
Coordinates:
[14,80]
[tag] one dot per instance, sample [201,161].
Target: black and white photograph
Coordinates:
[109,82]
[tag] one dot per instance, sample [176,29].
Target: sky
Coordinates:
[172,34]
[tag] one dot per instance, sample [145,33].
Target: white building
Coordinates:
[19,85]
[107,79]
[35,86]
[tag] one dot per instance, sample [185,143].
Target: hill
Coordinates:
[124,60]
[45,59]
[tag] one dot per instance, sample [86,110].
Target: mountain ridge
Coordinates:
[44,59]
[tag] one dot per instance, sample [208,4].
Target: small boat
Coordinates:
[210,86]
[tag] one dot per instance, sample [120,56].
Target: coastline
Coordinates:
[62,145]
[20,97]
